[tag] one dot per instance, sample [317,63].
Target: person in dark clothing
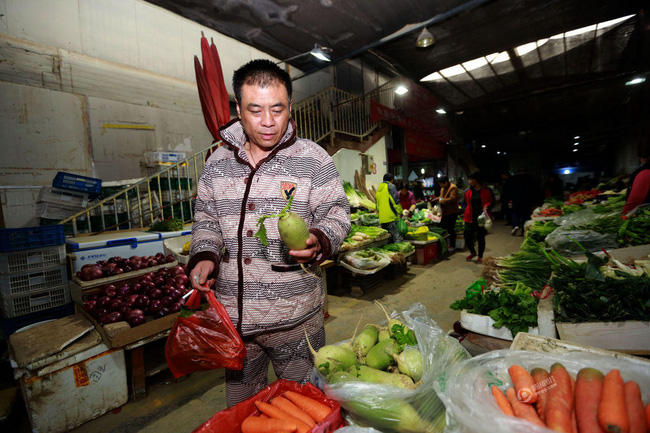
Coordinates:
[449,200]
[524,196]
[506,197]
[554,187]
[476,200]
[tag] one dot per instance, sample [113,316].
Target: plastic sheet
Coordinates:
[577,219]
[589,239]
[392,409]
[472,407]
[206,340]
[229,420]
[356,260]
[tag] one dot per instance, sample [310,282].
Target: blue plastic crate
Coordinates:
[11,325]
[31,237]
[75,182]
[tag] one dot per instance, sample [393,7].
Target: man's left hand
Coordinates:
[309,253]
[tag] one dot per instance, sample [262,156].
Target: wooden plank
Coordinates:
[86,342]
[39,342]
[628,337]
[138,374]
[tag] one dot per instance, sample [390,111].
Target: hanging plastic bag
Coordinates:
[203,339]
[484,220]
[402,227]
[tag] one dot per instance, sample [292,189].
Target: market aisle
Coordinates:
[180,407]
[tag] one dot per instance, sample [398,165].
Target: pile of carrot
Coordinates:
[287,413]
[591,403]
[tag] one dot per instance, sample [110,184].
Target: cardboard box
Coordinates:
[148,329]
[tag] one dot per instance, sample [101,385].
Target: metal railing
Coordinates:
[169,191]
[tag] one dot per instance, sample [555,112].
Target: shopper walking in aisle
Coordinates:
[388,208]
[638,190]
[476,200]
[262,165]
[524,196]
[406,199]
[449,201]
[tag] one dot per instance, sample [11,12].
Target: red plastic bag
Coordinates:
[206,340]
[230,420]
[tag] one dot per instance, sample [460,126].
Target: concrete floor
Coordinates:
[182,405]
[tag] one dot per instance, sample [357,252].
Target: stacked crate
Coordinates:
[175,186]
[33,276]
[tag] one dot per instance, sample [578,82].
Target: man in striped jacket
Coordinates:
[267,294]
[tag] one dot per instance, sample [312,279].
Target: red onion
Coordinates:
[175,307]
[142,301]
[170,259]
[178,270]
[166,301]
[109,290]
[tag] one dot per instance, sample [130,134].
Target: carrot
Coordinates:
[293,410]
[274,412]
[524,384]
[612,413]
[559,403]
[638,423]
[540,376]
[261,415]
[502,401]
[588,392]
[317,410]
[255,424]
[647,414]
[523,410]
[574,421]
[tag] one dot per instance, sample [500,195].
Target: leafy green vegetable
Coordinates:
[403,335]
[171,225]
[514,309]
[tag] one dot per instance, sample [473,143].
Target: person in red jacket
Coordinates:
[638,191]
[476,200]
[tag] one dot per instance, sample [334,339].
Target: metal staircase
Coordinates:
[171,191]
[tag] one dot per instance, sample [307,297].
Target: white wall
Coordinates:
[347,161]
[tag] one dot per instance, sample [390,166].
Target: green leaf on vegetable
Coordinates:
[403,335]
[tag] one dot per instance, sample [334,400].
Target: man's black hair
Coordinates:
[443,179]
[260,72]
[388,177]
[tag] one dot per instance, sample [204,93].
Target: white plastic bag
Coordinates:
[372,405]
[473,409]
[357,259]
[484,220]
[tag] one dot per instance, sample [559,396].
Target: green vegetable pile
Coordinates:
[594,292]
[515,309]
[356,198]
[528,266]
[400,247]
[540,229]
[171,225]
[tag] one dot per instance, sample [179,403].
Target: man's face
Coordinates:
[444,184]
[264,113]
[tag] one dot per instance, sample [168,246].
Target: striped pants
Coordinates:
[288,352]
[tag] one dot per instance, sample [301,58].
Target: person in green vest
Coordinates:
[388,207]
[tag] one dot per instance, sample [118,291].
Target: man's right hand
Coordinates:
[199,276]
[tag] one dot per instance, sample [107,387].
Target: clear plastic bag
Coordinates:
[380,406]
[560,240]
[472,408]
[484,220]
[577,219]
[358,259]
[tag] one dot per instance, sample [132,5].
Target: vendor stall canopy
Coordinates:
[549,70]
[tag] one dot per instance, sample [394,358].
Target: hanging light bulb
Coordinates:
[425,39]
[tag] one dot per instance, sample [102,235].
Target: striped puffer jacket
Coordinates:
[262,287]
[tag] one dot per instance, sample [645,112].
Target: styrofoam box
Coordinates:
[91,249]
[483,325]
[77,393]
[36,258]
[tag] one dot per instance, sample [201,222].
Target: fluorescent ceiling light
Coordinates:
[401,89]
[576,143]
[566,171]
[576,137]
[320,53]
[441,111]
[638,80]
[575,150]
[439,174]
[483,146]
[422,171]
[498,152]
